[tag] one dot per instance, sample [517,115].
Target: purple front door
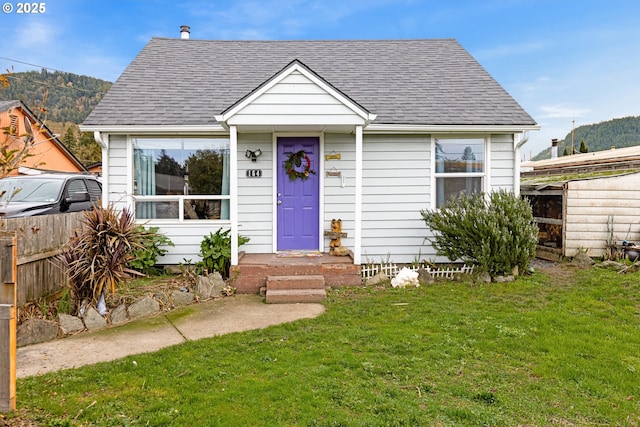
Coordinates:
[298,200]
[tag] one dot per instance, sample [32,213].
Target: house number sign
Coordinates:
[254,173]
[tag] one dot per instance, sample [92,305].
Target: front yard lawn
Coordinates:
[560,347]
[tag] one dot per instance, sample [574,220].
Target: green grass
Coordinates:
[545,350]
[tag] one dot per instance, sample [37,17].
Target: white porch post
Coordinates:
[103,141]
[233,192]
[357,240]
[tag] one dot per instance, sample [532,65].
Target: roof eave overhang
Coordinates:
[154,129]
[382,128]
[371,128]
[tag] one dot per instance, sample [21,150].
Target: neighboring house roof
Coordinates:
[47,137]
[407,82]
[543,182]
[555,173]
[95,168]
[614,159]
[5,105]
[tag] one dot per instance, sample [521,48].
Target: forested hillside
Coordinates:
[619,133]
[62,100]
[69,97]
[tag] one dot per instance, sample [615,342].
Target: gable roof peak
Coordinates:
[293,67]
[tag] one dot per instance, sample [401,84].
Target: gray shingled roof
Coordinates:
[420,82]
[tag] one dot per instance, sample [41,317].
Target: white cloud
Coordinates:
[505,50]
[561,111]
[35,34]
[532,86]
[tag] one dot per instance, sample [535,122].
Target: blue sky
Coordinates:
[562,60]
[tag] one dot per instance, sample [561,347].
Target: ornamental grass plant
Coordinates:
[97,257]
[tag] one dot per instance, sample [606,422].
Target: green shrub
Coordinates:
[97,256]
[145,259]
[495,232]
[215,250]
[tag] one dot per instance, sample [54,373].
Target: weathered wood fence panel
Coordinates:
[8,337]
[40,240]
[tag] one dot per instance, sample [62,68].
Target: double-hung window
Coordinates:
[181,178]
[459,167]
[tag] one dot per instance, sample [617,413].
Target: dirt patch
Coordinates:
[561,272]
[17,419]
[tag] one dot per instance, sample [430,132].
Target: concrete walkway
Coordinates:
[193,322]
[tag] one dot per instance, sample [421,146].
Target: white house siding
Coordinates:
[186,237]
[501,162]
[396,186]
[118,171]
[590,202]
[396,177]
[295,100]
[255,195]
[339,200]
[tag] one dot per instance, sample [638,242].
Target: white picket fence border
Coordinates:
[392,269]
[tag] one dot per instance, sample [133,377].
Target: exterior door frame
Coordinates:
[320,172]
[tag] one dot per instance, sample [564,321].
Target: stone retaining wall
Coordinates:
[33,331]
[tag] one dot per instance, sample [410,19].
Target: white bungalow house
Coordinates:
[274,139]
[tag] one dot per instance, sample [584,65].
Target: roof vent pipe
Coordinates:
[554,148]
[184,32]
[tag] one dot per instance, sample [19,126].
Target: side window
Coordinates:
[76,186]
[94,190]
[459,167]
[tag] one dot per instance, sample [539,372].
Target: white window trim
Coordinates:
[485,175]
[133,198]
[180,200]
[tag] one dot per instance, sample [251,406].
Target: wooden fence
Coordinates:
[40,241]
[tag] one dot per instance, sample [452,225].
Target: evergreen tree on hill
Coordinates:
[583,147]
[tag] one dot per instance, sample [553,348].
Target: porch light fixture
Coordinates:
[253,155]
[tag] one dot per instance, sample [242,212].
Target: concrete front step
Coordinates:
[250,275]
[314,281]
[294,289]
[284,296]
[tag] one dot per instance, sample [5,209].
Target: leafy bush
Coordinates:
[494,232]
[215,250]
[145,259]
[97,256]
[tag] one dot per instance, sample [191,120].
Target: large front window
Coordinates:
[459,167]
[181,178]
